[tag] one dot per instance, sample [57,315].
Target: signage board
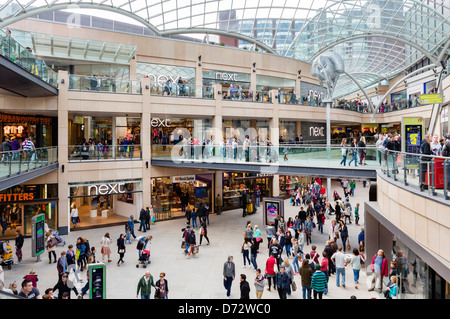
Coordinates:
[313,131]
[430,98]
[97,281]
[272,207]
[37,235]
[413,130]
[183,179]
[106,189]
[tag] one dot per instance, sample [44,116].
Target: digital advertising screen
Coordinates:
[273,207]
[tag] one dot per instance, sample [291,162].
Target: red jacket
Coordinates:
[269,265]
[384,266]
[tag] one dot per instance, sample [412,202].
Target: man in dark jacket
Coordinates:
[245,287]
[283,282]
[425,149]
[62,287]
[142,220]
[6,147]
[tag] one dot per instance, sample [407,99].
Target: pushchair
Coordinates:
[144,259]
[61,241]
[6,254]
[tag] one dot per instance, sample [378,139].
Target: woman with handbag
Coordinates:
[106,249]
[203,231]
[344,235]
[162,287]
[121,248]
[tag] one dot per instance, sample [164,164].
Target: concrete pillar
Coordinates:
[63,154]
[198,76]
[133,69]
[146,143]
[276,186]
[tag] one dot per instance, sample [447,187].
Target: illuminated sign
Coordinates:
[16,197]
[107,189]
[226,76]
[159,122]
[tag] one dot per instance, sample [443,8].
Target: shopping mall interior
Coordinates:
[108,109]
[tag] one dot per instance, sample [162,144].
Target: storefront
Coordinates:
[170,193]
[20,203]
[227,80]
[234,185]
[242,128]
[391,128]
[289,184]
[159,74]
[266,83]
[172,130]
[288,130]
[42,130]
[107,202]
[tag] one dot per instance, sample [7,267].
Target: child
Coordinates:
[357,214]
[91,259]
[128,235]
[34,278]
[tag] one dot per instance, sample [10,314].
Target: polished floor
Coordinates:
[199,277]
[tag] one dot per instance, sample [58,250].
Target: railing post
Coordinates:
[433,176]
[446,166]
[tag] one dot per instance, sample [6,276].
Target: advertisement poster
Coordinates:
[273,207]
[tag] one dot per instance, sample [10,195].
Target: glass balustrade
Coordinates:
[428,174]
[182,90]
[20,161]
[81,153]
[12,50]
[101,84]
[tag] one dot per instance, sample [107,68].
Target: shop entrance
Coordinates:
[235,183]
[171,194]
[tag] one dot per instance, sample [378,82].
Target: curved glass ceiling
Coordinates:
[377,38]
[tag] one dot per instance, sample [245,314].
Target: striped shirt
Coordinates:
[319,281]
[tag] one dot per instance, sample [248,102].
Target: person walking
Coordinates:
[74,216]
[145,285]
[245,250]
[229,273]
[162,287]
[318,283]
[353,152]
[344,234]
[51,247]
[105,244]
[244,287]
[63,287]
[19,244]
[356,261]
[379,267]
[306,274]
[203,230]
[254,248]
[121,248]
[344,152]
[142,219]
[270,272]
[194,218]
[62,265]
[71,262]
[270,233]
[259,284]
[340,262]
[283,282]
[131,226]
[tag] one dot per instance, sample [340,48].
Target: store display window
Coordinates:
[172,194]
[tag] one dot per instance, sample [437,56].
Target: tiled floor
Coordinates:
[199,277]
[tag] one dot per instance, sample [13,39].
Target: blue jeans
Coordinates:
[339,272]
[354,158]
[320,227]
[142,225]
[253,260]
[227,284]
[257,201]
[245,255]
[145,296]
[344,160]
[288,250]
[194,221]
[306,292]
[356,275]
[295,262]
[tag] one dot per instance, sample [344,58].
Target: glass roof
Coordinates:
[377,38]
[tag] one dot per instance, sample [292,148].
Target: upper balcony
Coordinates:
[23,73]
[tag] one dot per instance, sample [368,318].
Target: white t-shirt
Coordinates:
[339,259]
